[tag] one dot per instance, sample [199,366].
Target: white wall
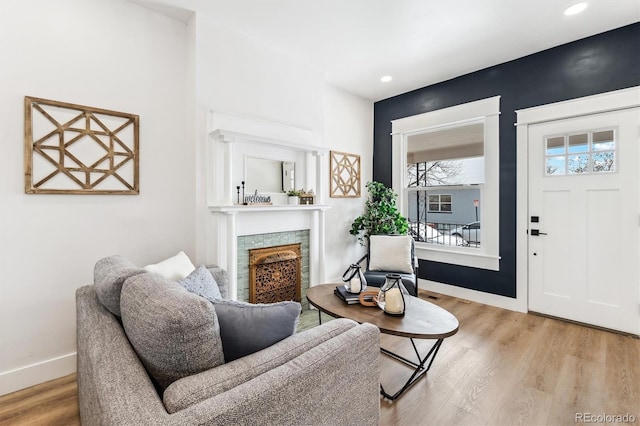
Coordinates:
[239,75]
[102,53]
[348,127]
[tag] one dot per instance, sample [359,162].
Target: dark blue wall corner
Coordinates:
[597,64]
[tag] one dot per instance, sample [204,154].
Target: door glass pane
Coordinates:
[555,166]
[603,161]
[579,143]
[579,164]
[555,146]
[603,140]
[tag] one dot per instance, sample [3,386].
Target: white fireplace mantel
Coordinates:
[232,136]
[229,137]
[277,208]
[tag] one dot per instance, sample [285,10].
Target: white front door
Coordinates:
[584,206]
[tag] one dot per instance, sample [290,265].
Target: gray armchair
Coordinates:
[307,378]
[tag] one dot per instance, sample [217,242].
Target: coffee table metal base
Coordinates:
[419,368]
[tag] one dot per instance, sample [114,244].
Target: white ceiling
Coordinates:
[418,42]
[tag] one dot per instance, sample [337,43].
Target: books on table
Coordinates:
[349,298]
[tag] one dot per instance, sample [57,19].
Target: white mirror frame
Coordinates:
[488,112]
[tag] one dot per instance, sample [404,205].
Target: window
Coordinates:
[440,203]
[580,153]
[445,170]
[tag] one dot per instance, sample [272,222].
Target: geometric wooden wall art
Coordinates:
[345,175]
[75,149]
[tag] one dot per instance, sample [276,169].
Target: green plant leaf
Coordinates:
[381,216]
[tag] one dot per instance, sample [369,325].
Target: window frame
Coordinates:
[486,111]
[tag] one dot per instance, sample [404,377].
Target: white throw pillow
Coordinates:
[174,268]
[390,253]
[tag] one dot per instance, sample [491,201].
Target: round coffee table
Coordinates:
[422,320]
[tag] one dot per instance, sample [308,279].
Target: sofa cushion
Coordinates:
[109,274]
[174,268]
[246,328]
[199,387]
[222,279]
[202,283]
[175,333]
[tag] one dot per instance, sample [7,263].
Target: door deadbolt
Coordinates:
[536,232]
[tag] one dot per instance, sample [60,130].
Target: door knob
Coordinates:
[536,232]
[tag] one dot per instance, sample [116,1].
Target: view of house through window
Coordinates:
[445,179]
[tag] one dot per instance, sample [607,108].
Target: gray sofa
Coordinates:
[327,375]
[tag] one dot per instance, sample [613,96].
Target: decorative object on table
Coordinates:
[294,196]
[348,298]
[307,198]
[238,191]
[354,279]
[76,149]
[369,298]
[243,200]
[391,296]
[381,216]
[345,175]
[257,199]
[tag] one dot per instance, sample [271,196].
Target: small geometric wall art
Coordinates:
[345,175]
[76,149]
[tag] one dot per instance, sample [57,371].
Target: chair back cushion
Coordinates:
[174,332]
[390,253]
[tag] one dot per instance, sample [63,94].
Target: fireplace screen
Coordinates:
[274,274]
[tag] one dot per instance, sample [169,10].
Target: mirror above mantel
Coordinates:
[268,176]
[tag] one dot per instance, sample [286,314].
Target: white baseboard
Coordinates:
[474,295]
[30,375]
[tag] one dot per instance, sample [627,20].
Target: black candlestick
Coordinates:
[243,193]
[238,190]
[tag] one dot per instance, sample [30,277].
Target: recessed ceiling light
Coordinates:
[386,79]
[575,9]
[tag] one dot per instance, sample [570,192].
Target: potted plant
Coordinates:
[381,216]
[294,195]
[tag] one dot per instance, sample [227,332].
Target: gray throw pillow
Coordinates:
[246,328]
[175,333]
[109,274]
[202,283]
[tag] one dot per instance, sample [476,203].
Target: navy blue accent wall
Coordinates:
[598,64]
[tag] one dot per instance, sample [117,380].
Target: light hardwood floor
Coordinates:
[50,403]
[501,368]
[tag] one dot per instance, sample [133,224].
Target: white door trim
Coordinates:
[605,102]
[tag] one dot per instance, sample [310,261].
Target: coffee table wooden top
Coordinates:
[422,320]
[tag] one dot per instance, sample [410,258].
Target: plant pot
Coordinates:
[294,200]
